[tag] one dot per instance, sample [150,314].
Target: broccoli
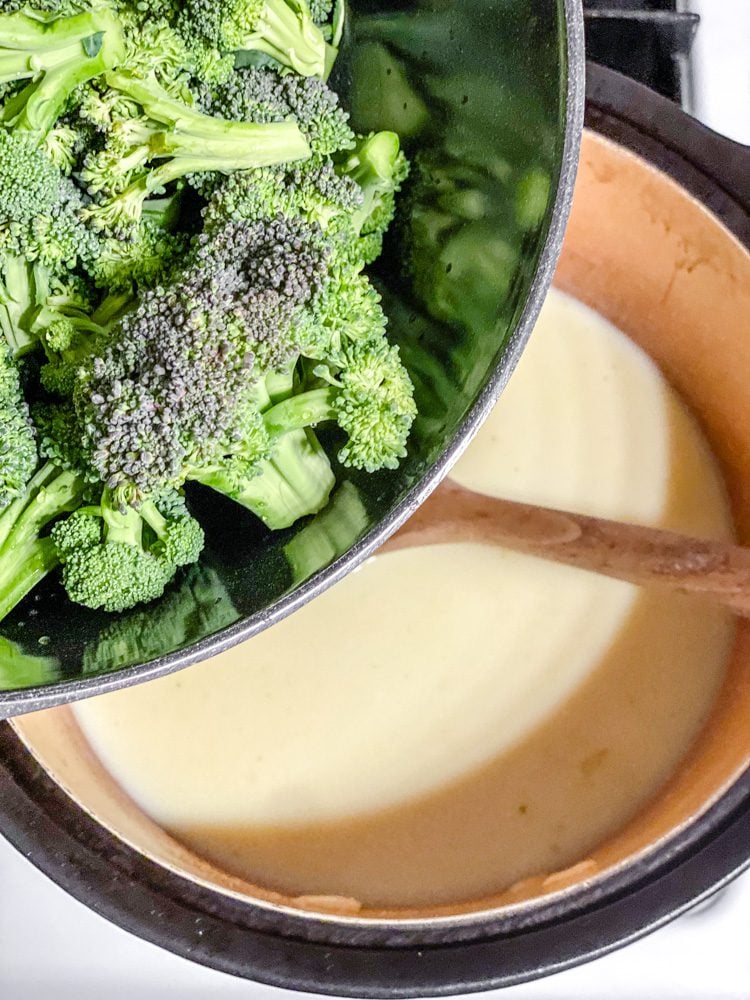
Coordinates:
[26,555]
[18,457]
[282,29]
[183,140]
[172,394]
[115,557]
[369,395]
[263,96]
[379,168]
[183,293]
[57,54]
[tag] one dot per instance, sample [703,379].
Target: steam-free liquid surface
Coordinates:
[449,720]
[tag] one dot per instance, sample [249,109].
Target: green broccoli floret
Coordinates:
[379,168]
[18,458]
[26,554]
[183,140]
[282,29]
[172,396]
[57,53]
[368,394]
[41,235]
[311,191]
[320,11]
[150,257]
[114,558]
[264,96]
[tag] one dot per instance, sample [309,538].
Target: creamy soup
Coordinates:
[449,720]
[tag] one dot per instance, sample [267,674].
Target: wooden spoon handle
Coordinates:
[644,556]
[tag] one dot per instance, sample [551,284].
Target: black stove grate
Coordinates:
[648,40]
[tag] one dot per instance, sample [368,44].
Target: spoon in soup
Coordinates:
[647,557]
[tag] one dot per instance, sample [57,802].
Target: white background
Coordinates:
[53,948]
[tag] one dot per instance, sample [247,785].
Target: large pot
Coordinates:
[658,242]
[490,94]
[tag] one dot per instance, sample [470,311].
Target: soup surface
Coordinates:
[449,720]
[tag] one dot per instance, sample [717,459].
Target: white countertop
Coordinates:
[54,948]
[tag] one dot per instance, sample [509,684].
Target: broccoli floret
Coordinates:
[346,309]
[379,168]
[18,457]
[150,257]
[264,96]
[281,29]
[57,54]
[171,396]
[41,235]
[369,395]
[183,140]
[311,191]
[114,558]
[320,11]
[26,555]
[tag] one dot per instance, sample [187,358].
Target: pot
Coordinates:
[658,242]
[488,100]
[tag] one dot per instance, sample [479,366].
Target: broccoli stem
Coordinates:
[287,33]
[296,481]
[96,35]
[225,146]
[25,558]
[16,65]
[44,34]
[151,515]
[121,525]
[241,145]
[23,287]
[303,410]
[49,493]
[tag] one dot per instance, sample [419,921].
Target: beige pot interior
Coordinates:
[652,260]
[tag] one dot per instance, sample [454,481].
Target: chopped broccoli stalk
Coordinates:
[282,29]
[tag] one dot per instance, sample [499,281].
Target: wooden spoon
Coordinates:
[648,557]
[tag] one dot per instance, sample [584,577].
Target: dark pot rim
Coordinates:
[437,957]
[34,698]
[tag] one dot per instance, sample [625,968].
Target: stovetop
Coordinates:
[649,40]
